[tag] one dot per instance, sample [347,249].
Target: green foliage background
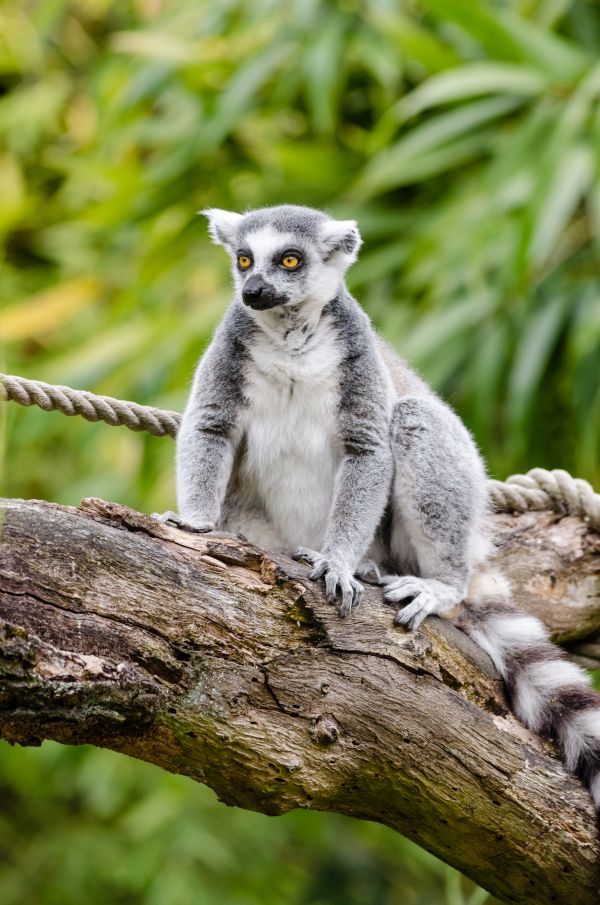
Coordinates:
[464,137]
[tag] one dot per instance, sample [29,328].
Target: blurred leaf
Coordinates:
[534,350]
[392,167]
[470,81]
[507,35]
[155,46]
[417,43]
[12,191]
[437,328]
[564,190]
[323,75]
[20,45]
[239,93]
[48,310]
[33,111]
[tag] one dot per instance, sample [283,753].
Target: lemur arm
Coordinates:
[364,477]
[206,437]
[362,483]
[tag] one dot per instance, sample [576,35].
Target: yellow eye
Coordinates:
[244,261]
[290,261]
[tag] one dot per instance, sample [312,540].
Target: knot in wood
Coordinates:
[325,730]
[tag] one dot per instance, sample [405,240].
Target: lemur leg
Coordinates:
[438,508]
[362,487]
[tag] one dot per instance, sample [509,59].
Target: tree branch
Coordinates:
[214,659]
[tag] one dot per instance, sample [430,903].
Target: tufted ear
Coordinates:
[341,236]
[222,225]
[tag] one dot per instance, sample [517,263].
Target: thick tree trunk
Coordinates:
[214,659]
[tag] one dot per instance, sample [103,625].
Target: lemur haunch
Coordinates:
[305,432]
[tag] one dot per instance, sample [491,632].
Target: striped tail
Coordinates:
[546,692]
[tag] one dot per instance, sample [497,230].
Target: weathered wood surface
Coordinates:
[214,659]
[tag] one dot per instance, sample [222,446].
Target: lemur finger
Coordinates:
[412,615]
[167,516]
[331,586]
[398,581]
[352,592]
[172,518]
[347,598]
[303,553]
[388,579]
[401,588]
[313,559]
[318,571]
[358,590]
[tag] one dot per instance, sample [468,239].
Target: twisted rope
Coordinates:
[91,407]
[539,489]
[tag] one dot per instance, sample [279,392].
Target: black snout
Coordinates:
[259,294]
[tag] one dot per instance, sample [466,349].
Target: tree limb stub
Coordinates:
[214,659]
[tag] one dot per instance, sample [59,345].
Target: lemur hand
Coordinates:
[338,577]
[420,597]
[197,526]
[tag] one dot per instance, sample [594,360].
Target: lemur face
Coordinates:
[285,255]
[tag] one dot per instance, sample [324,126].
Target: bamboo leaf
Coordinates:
[437,328]
[508,36]
[563,191]
[470,81]
[392,166]
[324,62]
[416,43]
[536,345]
[239,94]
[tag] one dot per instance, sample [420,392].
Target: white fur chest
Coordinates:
[292,450]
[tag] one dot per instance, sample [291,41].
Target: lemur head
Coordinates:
[285,255]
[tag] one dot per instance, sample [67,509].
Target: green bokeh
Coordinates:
[80,825]
[463,136]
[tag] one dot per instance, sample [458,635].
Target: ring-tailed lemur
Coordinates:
[304,431]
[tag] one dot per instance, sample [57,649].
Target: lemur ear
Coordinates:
[341,236]
[222,225]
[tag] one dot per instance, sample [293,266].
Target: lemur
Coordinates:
[305,432]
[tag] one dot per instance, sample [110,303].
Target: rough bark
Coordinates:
[215,659]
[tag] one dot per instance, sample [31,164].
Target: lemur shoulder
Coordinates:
[306,433]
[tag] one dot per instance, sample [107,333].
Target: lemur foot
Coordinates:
[171,518]
[337,578]
[429,596]
[368,571]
